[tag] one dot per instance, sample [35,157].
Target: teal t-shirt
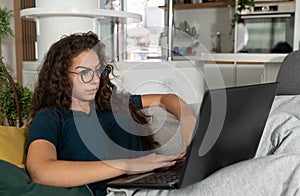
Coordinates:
[78,136]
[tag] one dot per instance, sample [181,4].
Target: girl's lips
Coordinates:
[92,90]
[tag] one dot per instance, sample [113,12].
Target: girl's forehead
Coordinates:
[89,56]
[86,59]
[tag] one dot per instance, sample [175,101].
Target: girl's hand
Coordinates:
[183,153]
[149,163]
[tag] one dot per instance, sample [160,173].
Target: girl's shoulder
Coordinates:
[43,112]
[52,114]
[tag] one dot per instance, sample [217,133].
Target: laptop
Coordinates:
[228,130]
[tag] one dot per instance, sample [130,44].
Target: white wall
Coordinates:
[183,78]
[187,78]
[8,44]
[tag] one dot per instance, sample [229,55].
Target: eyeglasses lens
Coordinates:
[88,75]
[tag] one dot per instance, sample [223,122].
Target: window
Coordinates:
[143,38]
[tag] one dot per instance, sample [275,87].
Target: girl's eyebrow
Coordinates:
[83,67]
[98,65]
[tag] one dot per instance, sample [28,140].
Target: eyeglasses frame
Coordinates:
[103,74]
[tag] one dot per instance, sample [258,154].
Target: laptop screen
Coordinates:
[229,128]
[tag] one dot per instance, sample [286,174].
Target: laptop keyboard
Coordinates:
[162,177]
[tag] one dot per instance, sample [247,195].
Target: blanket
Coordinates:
[274,171]
[282,130]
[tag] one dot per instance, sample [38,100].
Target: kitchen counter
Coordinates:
[271,62]
[245,57]
[239,57]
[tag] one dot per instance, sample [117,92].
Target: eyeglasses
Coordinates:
[87,74]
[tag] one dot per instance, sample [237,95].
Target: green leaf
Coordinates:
[8,105]
[5,19]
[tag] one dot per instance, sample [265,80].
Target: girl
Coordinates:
[75,134]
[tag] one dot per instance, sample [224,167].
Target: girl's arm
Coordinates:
[44,168]
[176,106]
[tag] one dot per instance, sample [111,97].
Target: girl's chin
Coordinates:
[84,99]
[88,98]
[91,94]
[91,98]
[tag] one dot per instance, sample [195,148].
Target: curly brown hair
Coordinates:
[53,89]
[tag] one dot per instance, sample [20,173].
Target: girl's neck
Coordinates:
[81,106]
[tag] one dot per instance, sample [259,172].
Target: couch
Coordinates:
[14,179]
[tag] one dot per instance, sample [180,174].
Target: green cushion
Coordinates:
[15,181]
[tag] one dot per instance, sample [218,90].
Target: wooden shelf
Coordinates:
[275,2]
[217,4]
[201,5]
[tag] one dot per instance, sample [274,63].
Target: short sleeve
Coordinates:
[45,125]
[136,100]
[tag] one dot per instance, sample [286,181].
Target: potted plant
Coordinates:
[15,99]
[242,5]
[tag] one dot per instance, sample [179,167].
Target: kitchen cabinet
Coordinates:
[233,74]
[251,73]
[219,74]
[244,69]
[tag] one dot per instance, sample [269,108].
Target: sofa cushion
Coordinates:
[15,181]
[12,143]
[166,129]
